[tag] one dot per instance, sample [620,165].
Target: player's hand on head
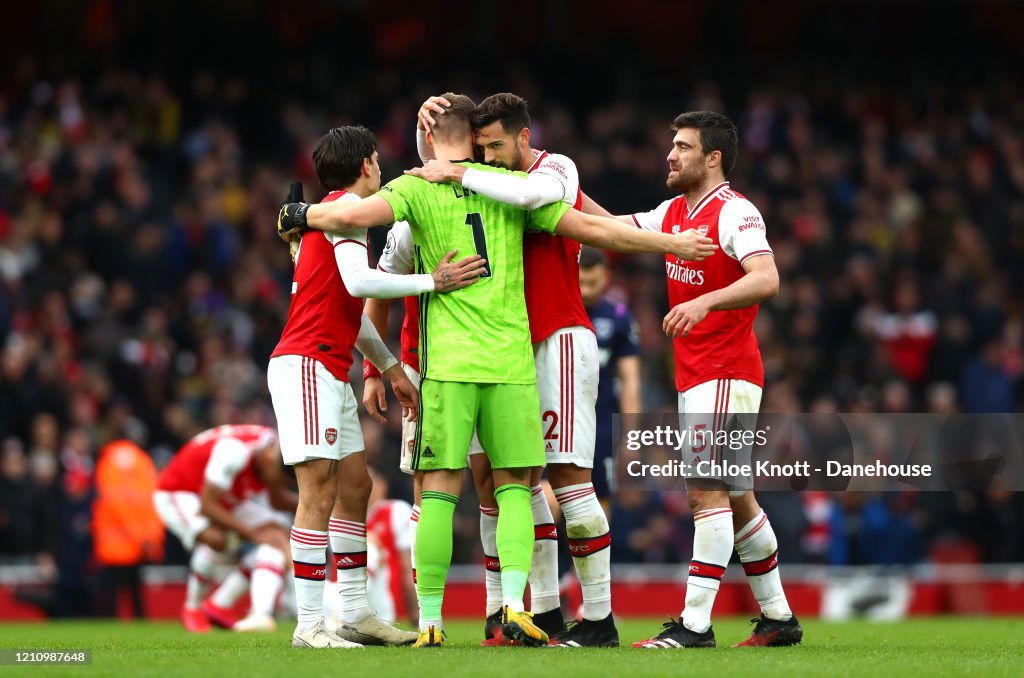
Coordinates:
[692,246]
[375,398]
[682,318]
[434,171]
[449,276]
[430,110]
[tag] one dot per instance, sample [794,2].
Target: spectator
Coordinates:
[126,530]
[141,283]
[26,530]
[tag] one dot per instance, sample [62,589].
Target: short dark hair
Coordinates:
[339,154]
[717,133]
[457,118]
[509,109]
[591,257]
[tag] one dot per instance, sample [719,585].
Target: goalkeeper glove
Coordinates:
[291,220]
[291,217]
[294,196]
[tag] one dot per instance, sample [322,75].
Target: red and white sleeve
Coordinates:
[653,220]
[741,230]
[398,251]
[227,459]
[362,281]
[563,170]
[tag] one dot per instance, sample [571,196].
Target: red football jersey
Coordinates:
[187,470]
[551,265]
[723,345]
[323,319]
[411,333]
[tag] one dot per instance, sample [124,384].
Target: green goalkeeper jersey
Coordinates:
[480,333]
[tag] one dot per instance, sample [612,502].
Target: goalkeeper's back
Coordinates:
[481,333]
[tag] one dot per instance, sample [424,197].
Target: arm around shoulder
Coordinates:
[529,192]
[609,234]
[362,281]
[340,216]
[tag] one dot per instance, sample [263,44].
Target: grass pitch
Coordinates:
[933,647]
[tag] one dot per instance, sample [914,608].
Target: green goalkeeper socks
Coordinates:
[434,552]
[515,541]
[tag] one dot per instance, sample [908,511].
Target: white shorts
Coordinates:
[567,375]
[180,514]
[721,405]
[317,413]
[409,431]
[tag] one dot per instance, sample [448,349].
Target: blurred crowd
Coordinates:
[142,286]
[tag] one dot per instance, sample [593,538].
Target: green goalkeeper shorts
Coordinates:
[506,417]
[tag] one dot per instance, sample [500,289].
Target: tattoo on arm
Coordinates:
[446,281]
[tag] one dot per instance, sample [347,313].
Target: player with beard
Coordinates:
[719,373]
[476,362]
[567,360]
[567,383]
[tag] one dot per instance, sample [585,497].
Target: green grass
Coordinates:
[933,647]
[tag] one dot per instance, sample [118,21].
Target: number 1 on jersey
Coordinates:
[479,239]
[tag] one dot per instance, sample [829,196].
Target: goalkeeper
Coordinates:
[476,359]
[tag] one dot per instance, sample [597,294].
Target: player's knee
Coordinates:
[700,500]
[268,554]
[355,491]
[319,501]
[483,478]
[286,548]
[272,534]
[744,505]
[213,537]
[443,480]
[564,475]
[557,476]
[485,489]
[515,476]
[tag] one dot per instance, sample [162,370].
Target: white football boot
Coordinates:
[255,623]
[318,637]
[371,630]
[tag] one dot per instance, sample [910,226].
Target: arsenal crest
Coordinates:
[331,435]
